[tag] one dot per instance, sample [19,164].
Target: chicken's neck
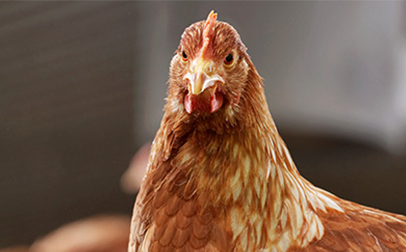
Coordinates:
[249,176]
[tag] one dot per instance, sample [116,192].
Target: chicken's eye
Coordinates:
[184,56]
[229,59]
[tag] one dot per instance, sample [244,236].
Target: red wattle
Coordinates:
[188,104]
[216,102]
[203,103]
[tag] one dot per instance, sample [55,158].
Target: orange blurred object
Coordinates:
[132,178]
[103,233]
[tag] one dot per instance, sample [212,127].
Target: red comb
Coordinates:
[208,31]
[209,25]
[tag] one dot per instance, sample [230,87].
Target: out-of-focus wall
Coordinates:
[66,113]
[330,68]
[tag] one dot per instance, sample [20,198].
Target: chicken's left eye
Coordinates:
[229,59]
[184,56]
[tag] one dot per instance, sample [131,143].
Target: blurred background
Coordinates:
[82,87]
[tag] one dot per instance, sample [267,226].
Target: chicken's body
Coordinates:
[221,179]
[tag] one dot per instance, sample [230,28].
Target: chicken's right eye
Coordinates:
[184,56]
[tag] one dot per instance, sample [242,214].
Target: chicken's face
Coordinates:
[209,69]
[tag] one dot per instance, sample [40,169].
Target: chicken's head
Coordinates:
[209,69]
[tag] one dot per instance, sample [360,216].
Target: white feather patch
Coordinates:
[329,202]
[237,223]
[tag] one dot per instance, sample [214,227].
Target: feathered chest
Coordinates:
[212,193]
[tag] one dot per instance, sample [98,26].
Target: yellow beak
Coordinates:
[201,76]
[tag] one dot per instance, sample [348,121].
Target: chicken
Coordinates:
[221,179]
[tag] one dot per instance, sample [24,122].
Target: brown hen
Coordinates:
[221,179]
